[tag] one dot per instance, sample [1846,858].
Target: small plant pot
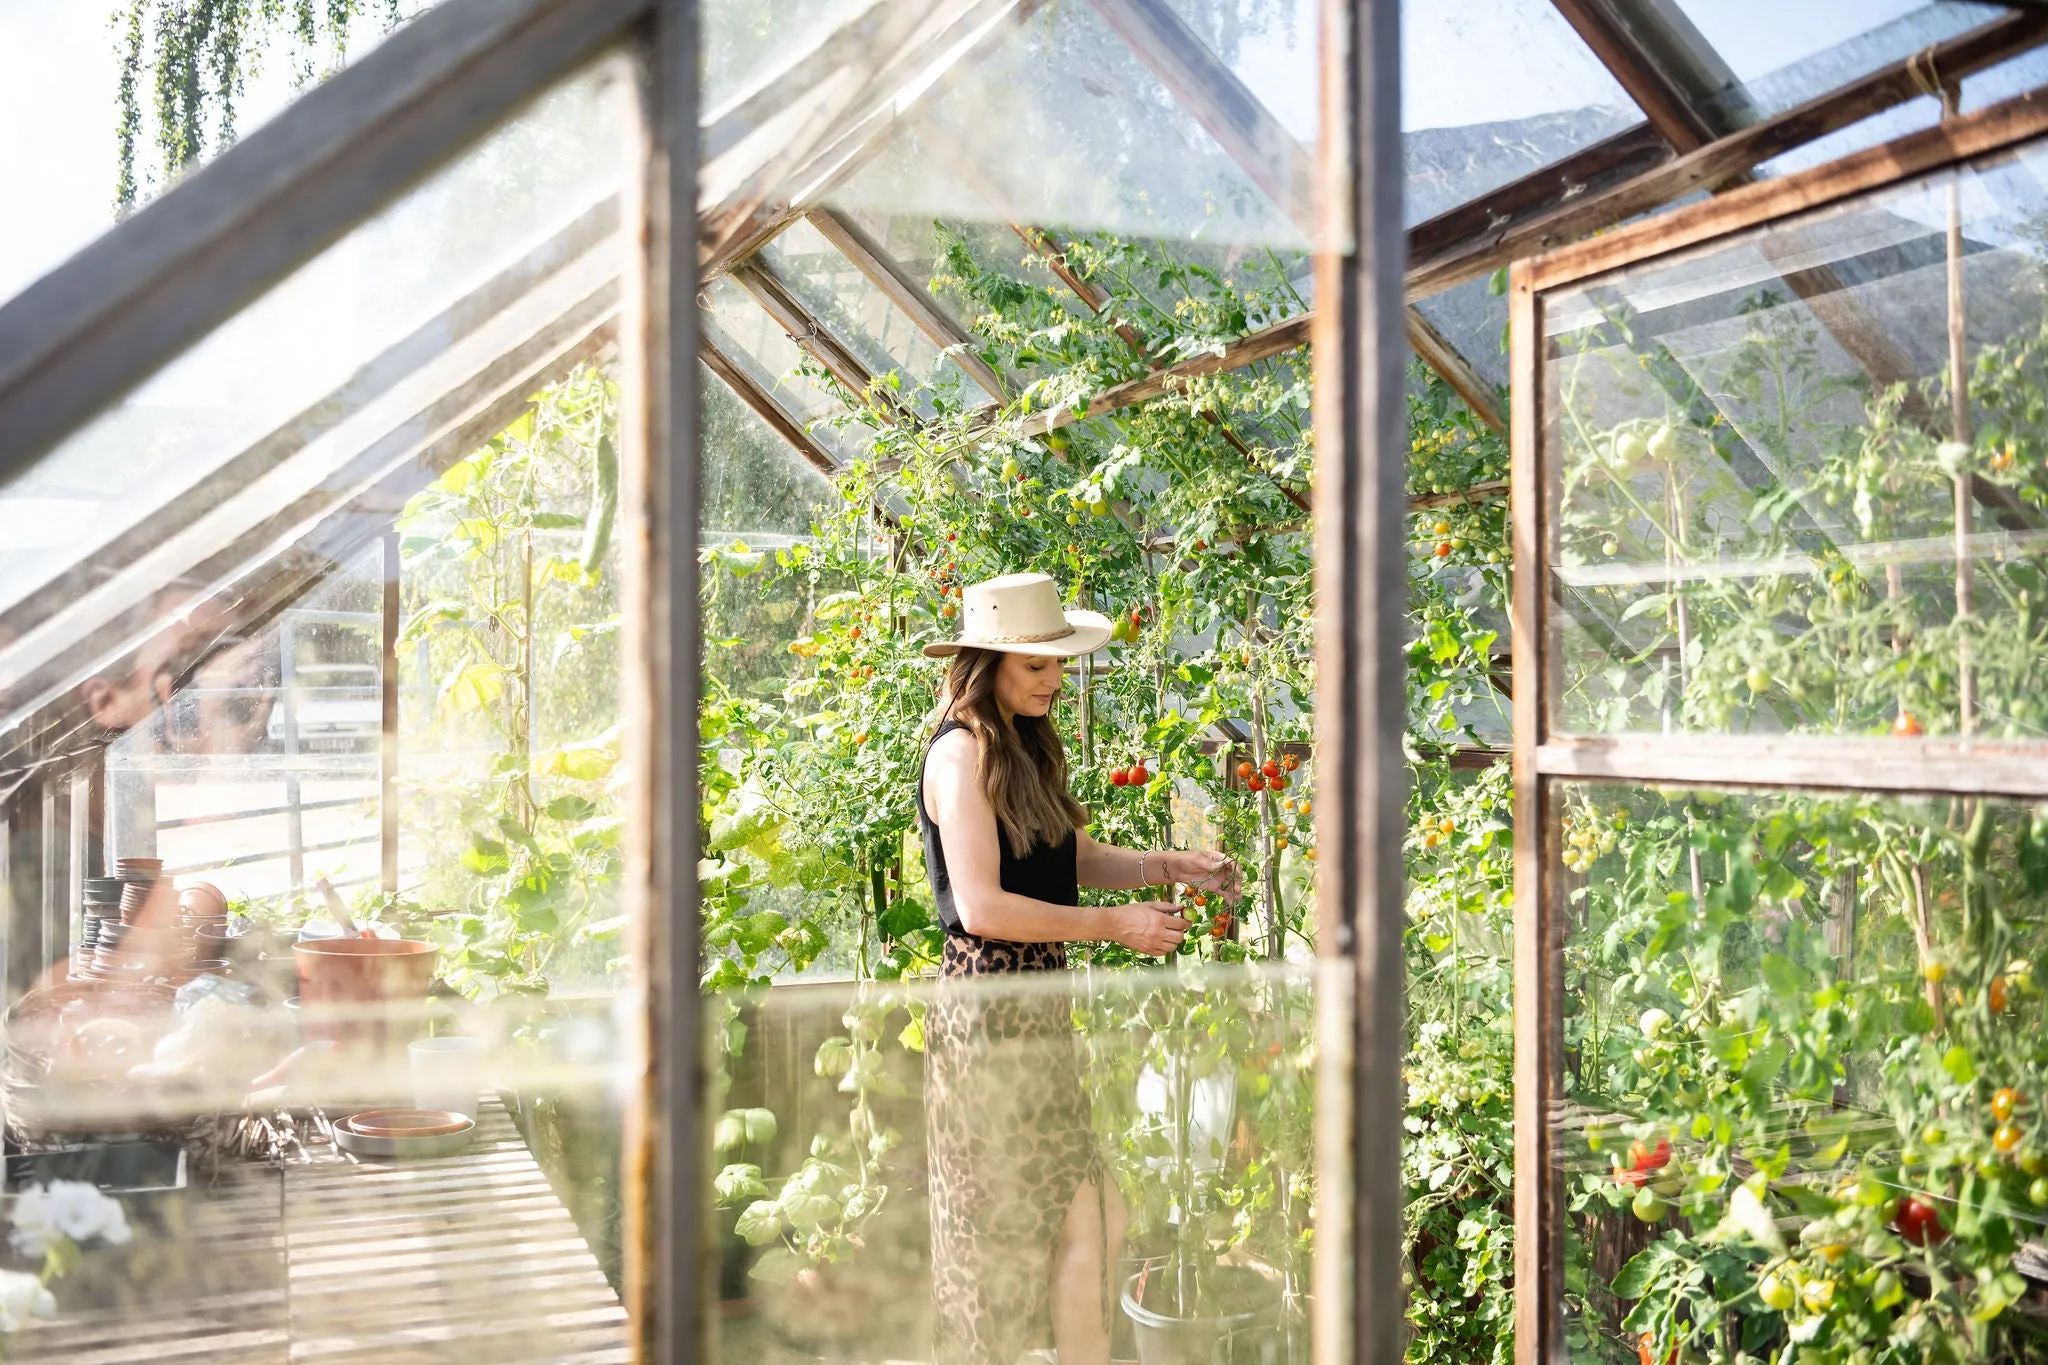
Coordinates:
[364,990]
[1240,1298]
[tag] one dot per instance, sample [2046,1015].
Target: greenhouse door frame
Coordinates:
[78,340]
[1543,758]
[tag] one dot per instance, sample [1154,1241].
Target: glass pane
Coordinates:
[854,311]
[1527,92]
[756,489]
[1799,1044]
[1758,467]
[739,326]
[1774,57]
[292,846]
[259,433]
[868,1128]
[884,1057]
[1018,134]
[231,76]
[266,762]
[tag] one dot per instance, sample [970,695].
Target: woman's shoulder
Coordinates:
[956,744]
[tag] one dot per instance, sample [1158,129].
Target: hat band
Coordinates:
[1046,638]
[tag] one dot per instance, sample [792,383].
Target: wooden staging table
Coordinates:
[461,1260]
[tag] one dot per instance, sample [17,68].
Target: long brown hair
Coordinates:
[1023,766]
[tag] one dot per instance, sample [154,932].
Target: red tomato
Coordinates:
[2004,1102]
[1255,782]
[1270,768]
[1646,1351]
[1919,1222]
[1289,762]
[1906,727]
[1650,1158]
[1245,770]
[1278,782]
[1998,994]
[1140,776]
[1119,778]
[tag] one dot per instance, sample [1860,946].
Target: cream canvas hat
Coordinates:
[1020,613]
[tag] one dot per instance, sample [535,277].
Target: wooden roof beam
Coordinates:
[810,335]
[1534,229]
[778,418]
[1658,57]
[886,274]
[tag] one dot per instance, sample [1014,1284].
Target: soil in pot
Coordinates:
[1229,1299]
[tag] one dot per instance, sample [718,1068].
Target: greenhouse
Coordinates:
[1174,681]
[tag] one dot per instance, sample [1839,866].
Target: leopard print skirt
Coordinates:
[1009,1142]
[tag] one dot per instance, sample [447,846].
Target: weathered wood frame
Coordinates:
[1544,758]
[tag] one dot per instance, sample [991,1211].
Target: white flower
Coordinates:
[66,1208]
[22,1296]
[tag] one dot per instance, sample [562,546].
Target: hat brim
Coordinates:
[1091,632]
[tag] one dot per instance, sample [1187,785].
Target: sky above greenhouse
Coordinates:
[1465,62]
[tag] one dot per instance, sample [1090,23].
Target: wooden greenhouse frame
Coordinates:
[1548,755]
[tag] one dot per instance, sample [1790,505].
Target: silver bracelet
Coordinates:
[1143,880]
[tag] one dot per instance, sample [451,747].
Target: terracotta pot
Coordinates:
[364,989]
[203,900]
[400,1123]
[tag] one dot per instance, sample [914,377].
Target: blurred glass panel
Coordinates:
[1758,464]
[746,44]
[855,312]
[262,771]
[1774,56]
[1063,126]
[263,887]
[1800,1044]
[1268,47]
[869,1128]
[499,263]
[1526,92]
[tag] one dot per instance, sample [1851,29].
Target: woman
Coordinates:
[1024,1219]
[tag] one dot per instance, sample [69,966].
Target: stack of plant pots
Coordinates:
[102,906]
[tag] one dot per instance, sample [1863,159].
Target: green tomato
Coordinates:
[1663,443]
[1776,1292]
[1933,1134]
[1010,469]
[2038,1191]
[1758,678]
[1630,448]
[1646,1205]
[1817,1294]
[1610,546]
[1098,509]
[1073,519]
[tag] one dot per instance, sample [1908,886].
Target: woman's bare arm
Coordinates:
[967,830]
[1119,869]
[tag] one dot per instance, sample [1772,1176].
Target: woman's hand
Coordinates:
[1206,871]
[1153,928]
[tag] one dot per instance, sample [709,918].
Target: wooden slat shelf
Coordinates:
[466,1258]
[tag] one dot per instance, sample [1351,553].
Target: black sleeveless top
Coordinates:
[1047,873]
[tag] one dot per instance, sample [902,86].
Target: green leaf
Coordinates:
[741,1180]
[760,1222]
[570,809]
[835,1056]
[1960,1065]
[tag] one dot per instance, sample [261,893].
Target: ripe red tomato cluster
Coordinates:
[1644,1162]
[1272,774]
[1919,1222]
[1137,775]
